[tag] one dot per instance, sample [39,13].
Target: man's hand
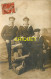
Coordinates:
[44,51]
[7,41]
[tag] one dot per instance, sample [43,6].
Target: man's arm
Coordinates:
[3,32]
[30,30]
[16,30]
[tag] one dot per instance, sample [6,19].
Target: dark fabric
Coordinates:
[38,44]
[8,33]
[25,31]
[30,31]
[37,53]
[9,52]
[25,48]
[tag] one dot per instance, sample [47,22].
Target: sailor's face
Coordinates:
[37,34]
[11,21]
[25,22]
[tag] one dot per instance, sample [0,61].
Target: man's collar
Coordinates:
[11,26]
[27,25]
[36,37]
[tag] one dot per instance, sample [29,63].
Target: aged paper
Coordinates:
[39,14]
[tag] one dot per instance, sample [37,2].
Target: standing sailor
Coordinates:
[8,33]
[25,31]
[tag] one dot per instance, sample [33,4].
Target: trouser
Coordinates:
[34,60]
[9,52]
[37,59]
[40,60]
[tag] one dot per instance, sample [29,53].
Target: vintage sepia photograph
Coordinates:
[25,39]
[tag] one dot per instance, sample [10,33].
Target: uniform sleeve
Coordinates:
[3,32]
[16,30]
[30,30]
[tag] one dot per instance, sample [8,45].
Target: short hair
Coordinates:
[11,18]
[25,18]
